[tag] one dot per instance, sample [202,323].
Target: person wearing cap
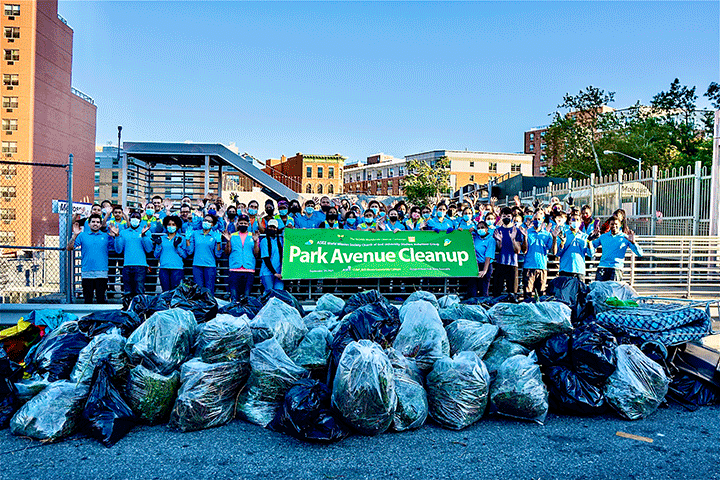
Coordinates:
[310,218]
[271,253]
[269,215]
[134,243]
[242,249]
[285,220]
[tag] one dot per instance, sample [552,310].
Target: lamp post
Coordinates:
[119,131]
[639,160]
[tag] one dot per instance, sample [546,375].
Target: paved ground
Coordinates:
[686,445]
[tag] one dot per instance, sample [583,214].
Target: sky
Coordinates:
[362,78]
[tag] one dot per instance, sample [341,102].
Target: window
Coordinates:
[12,54]
[12,10]
[331,189]
[97,192]
[543,158]
[357,177]
[379,174]
[531,147]
[391,173]
[7,237]
[472,164]
[308,174]
[542,134]
[12,32]
[542,146]
[331,172]
[115,176]
[9,147]
[320,174]
[543,170]
[10,79]
[401,172]
[532,137]
[8,192]
[10,102]
[8,170]
[114,190]
[7,214]
[472,178]
[308,188]
[9,124]
[97,177]
[320,188]
[492,167]
[515,167]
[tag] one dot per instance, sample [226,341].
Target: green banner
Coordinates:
[319,253]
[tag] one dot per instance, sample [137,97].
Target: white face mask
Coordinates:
[575,225]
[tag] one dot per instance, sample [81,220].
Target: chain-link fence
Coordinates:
[33,232]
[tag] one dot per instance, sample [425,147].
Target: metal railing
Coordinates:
[82,95]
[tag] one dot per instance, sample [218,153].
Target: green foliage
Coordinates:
[425,182]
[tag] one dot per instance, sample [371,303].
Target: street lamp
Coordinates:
[119,131]
[581,173]
[639,160]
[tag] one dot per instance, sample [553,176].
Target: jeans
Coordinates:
[480,286]
[239,284]
[505,274]
[115,261]
[94,285]
[604,274]
[205,277]
[133,279]
[271,282]
[170,278]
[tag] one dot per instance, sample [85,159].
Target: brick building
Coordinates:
[309,174]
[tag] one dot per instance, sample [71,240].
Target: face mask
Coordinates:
[269,210]
[506,221]
[271,232]
[325,208]
[440,214]
[171,229]
[467,217]
[490,221]
[309,210]
[528,218]
[134,222]
[149,212]
[332,216]
[252,211]
[393,218]
[381,214]
[106,211]
[426,216]
[518,224]
[206,225]
[575,225]
[351,220]
[295,208]
[482,232]
[212,211]
[242,228]
[368,220]
[375,210]
[536,223]
[415,215]
[232,215]
[283,211]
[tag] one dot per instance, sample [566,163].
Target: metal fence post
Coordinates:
[534,194]
[696,199]
[592,194]
[69,256]
[689,269]
[653,201]
[619,190]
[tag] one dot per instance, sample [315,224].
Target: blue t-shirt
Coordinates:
[302,221]
[169,256]
[94,251]
[507,254]
[273,253]
[484,247]
[203,247]
[614,248]
[539,245]
[441,225]
[572,254]
[133,245]
[391,228]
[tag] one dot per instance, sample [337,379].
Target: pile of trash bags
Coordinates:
[361,366]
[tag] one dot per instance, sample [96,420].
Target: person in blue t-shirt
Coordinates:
[134,243]
[206,246]
[393,223]
[331,219]
[271,252]
[242,248]
[510,241]
[310,218]
[484,255]
[94,246]
[440,223]
[540,244]
[350,221]
[573,247]
[614,244]
[170,253]
[465,221]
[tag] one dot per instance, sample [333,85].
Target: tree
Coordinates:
[713,94]
[572,137]
[425,182]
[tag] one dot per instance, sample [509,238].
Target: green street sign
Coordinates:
[319,253]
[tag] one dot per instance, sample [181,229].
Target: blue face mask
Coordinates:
[528,217]
[206,225]
[440,214]
[536,223]
[134,222]
[375,210]
[212,211]
[149,212]
[368,220]
[482,232]
[283,211]
[467,217]
[171,228]
[426,216]
[381,214]
[309,210]
[351,220]
[252,211]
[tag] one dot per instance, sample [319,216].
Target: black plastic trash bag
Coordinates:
[305,414]
[145,305]
[421,335]
[314,350]
[692,392]
[249,306]
[378,322]
[531,323]
[412,404]
[108,346]
[593,353]
[422,295]
[109,418]
[571,394]
[367,297]
[164,341]
[500,350]
[271,376]
[102,321]
[57,352]
[206,398]
[364,388]
[555,350]
[330,303]
[461,311]
[52,414]
[470,336]
[28,388]
[638,386]
[570,291]
[9,402]
[224,339]
[519,391]
[285,297]
[457,390]
[280,321]
[193,298]
[151,395]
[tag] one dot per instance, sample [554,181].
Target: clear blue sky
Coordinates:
[362,78]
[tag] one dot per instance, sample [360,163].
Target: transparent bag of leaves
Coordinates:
[463,311]
[28,388]
[53,413]
[280,321]
[500,350]
[638,385]
[364,388]
[164,341]
[422,335]
[457,390]
[271,376]
[225,339]
[108,346]
[519,391]
[151,395]
[448,301]
[471,336]
[321,317]
[531,323]
[207,394]
[313,352]
[412,404]
[422,295]
[330,303]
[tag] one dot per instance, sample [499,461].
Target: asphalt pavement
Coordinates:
[685,445]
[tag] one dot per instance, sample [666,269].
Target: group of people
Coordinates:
[507,240]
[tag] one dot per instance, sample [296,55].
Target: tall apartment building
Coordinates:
[309,174]
[44,119]
[535,145]
[380,174]
[107,174]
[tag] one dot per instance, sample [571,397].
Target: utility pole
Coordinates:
[715,180]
